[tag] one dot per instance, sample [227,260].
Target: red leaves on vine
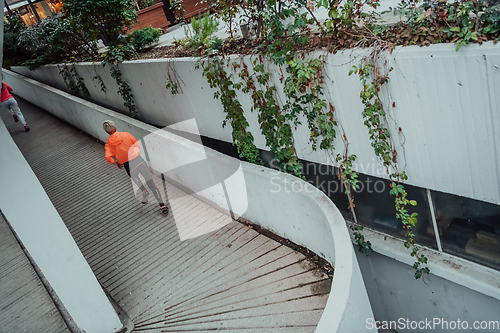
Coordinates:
[352,202]
[332,110]
[390,47]
[394,155]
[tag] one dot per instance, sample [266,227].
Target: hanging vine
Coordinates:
[375,120]
[218,78]
[274,123]
[124,90]
[173,80]
[303,89]
[349,178]
[101,83]
[73,81]
[304,98]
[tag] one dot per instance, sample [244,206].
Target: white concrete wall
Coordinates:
[284,204]
[41,230]
[445,104]
[396,296]
[456,289]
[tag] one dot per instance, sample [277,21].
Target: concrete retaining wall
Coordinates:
[444,102]
[284,204]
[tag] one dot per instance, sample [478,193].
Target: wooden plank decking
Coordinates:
[221,276]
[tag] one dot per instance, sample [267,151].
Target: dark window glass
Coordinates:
[469,228]
[375,208]
[326,179]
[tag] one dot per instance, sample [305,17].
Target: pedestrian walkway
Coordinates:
[220,275]
[25,304]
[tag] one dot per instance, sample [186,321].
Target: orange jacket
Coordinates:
[123,146]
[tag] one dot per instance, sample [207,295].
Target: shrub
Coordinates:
[202,39]
[144,3]
[13,50]
[144,38]
[118,52]
[54,39]
[491,17]
[101,18]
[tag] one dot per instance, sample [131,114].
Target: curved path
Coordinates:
[193,270]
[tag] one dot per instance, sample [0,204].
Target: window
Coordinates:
[375,208]
[468,228]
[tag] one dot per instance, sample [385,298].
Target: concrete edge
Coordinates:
[458,270]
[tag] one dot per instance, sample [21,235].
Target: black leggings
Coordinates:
[138,166]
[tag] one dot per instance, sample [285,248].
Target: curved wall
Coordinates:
[284,204]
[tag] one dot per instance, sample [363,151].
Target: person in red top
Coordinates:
[11,105]
[126,149]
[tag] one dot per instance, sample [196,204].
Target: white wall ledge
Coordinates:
[463,272]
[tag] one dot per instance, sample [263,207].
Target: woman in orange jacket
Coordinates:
[11,105]
[124,147]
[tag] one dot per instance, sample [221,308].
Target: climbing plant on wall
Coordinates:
[273,120]
[304,99]
[219,78]
[375,120]
[73,81]
[112,57]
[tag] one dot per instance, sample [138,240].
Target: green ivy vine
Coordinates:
[218,78]
[124,90]
[101,83]
[74,82]
[375,120]
[303,89]
[274,122]
[281,28]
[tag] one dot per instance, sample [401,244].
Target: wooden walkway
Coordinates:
[220,275]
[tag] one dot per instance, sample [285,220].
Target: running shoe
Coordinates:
[15,118]
[145,196]
[164,209]
[27,128]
